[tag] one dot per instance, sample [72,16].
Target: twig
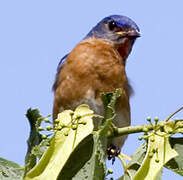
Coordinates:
[174,113]
[137,129]
[130,130]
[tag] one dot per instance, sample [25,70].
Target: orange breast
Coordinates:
[93,66]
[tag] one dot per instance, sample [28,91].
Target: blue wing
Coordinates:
[58,70]
[61,62]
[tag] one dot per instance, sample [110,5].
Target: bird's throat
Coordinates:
[125,48]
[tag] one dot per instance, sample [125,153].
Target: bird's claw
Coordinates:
[112,152]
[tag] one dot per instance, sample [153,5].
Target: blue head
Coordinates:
[115,28]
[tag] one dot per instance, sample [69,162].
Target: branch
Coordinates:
[170,127]
[109,101]
[130,130]
[181,108]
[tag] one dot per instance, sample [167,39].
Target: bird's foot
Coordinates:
[112,152]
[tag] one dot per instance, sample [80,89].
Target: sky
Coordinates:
[34,35]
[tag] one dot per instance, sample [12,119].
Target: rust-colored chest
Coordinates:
[92,67]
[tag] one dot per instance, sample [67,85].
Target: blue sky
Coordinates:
[34,35]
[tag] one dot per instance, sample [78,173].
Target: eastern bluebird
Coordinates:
[96,65]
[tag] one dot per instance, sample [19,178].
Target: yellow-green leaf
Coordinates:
[159,152]
[63,143]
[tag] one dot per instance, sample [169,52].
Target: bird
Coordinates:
[96,65]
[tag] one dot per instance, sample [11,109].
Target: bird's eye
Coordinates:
[112,25]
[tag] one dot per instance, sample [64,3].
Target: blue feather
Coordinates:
[58,70]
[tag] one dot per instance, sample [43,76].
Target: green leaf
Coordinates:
[144,163]
[81,154]
[109,101]
[33,140]
[94,168]
[176,164]
[135,163]
[39,150]
[10,170]
[159,152]
[63,143]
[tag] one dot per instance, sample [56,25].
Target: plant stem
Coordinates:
[130,130]
[174,113]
